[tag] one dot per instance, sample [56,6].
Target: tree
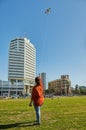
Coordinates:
[12,81]
[77,91]
[82,90]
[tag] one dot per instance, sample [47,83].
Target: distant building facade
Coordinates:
[43,77]
[60,86]
[7,89]
[21,66]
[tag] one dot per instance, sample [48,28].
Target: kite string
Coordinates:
[41,48]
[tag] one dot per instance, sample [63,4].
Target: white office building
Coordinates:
[21,65]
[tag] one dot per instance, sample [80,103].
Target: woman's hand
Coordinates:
[30,104]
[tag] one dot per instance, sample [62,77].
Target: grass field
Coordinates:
[63,113]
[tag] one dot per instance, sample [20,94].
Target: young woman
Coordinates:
[37,98]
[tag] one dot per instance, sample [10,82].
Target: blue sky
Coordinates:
[59,37]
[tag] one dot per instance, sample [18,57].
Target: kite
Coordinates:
[47,11]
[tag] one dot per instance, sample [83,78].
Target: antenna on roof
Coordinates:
[25,35]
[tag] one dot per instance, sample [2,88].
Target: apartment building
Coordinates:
[60,86]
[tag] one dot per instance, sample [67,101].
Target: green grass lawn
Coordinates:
[63,113]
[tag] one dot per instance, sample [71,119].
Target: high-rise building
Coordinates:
[43,77]
[22,63]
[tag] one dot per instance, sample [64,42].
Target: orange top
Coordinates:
[37,95]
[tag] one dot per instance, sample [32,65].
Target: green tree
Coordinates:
[82,90]
[77,91]
[12,81]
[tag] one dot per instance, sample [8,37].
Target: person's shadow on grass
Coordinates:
[21,124]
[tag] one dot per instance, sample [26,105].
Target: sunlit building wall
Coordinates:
[22,63]
[60,86]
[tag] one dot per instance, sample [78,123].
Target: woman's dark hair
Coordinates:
[37,80]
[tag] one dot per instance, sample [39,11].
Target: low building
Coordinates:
[60,86]
[7,89]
